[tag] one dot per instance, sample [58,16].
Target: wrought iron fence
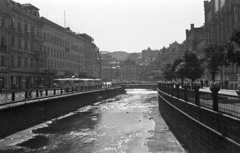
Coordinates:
[228,104]
[17,96]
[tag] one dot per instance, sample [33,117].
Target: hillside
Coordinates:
[119,55]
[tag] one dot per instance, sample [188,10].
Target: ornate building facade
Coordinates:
[222,18]
[35,50]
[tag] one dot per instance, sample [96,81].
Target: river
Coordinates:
[128,123]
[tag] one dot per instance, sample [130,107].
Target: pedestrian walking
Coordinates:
[206,83]
[201,82]
[41,89]
[226,83]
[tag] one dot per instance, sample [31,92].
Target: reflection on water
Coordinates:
[119,124]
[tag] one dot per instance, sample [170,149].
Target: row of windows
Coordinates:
[62,54]
[24,26]
[64,66]
[57,41]
[24,44]
[18,61]
[47,37]
[63,42]
[20,26]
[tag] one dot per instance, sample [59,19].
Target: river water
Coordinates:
[128,123]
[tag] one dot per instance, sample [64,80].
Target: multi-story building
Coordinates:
[23,45]
[128,70]
[222,18]
[195,39]
[64,49]
[4,20]
[90,51]
[35,50]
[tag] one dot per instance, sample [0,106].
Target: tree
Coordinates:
[233,48]
[167,72]
[176,62]
[214,57]
[193,66]
[189,67]
[181,71]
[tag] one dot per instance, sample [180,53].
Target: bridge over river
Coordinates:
[127,123]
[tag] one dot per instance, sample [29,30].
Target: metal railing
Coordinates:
[17,96]
[224,103]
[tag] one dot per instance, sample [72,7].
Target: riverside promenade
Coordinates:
[203,121]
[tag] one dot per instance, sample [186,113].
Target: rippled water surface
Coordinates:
[117,125]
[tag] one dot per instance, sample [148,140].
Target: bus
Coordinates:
[75,82]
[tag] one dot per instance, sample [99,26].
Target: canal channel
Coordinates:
[127,123]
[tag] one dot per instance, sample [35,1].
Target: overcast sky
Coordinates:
[125,25]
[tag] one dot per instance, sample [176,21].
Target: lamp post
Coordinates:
[8,55]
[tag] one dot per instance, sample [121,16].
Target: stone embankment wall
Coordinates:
[22,115]
[200,130]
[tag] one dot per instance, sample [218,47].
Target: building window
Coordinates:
[31,46]
[25,62]
[12,60]
[12,22]
[37,63]
[32,29]
[51,64]
[45,64]
[44,49]
[19,26]
[38,32]
[40,48]
[3,22]
[2,40]
[26,45]
[48,66]
[19,43]
[44,36]
[41,64]
[31,63]
[2,60]
[19,61]
[12,41]
[26,27]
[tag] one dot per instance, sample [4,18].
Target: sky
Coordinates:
[125,25]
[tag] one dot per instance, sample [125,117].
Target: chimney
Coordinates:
[192,26]
[187,32]
[205,3]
